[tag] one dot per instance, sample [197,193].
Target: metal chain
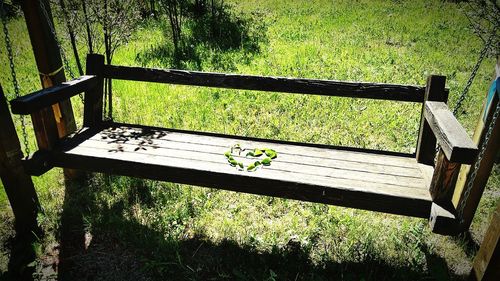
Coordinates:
[482,55]
[466,89]
[10,54]
[479,159]
[61,50]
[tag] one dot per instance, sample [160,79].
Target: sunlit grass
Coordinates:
[373,41]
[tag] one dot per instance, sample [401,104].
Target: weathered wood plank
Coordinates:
[443,181]
[343,192]
[394,92]
[46,131]
[285,163]
[126,132]
[92,112]
[471,201]
[443,221]
[18,185]
[275,171]
[143,152]
[48,61]
[44,98]
[451,136]
[313,159]
[486,265]
[426,143]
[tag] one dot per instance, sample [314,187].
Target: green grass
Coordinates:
[147,229]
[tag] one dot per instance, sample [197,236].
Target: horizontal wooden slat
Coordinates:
[393,92]
[308,160]
[41,99]
[125,133]
[285,163]
[300,172]
[451,136]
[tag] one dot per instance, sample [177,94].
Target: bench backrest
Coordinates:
[97,71]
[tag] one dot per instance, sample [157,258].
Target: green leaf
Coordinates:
[266,161]
[271,153]
[251,153]
[257,163]
[233,162]
[227,154]
[251,168]
[257,152]
[240,165]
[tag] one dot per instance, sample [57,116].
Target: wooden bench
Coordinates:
[398,183]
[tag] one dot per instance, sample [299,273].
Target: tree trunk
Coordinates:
[87,26]
[72,37]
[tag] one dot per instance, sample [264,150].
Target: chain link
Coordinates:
[473,172]
[61,50]
[482,55]
[10,54]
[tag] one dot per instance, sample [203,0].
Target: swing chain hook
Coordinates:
[15,82]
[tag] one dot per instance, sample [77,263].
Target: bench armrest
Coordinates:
[44,98]
[451,136]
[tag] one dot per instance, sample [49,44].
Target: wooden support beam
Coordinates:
[38,16]
[426,144]
[92,113]
[443,181]
[486,265]
[47,97]
[17,183]
[471,202]
[48,60]
[451,136]
[394,92]
[443,221]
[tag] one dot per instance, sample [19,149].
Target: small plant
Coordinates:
[252,154]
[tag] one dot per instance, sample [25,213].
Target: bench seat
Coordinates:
[392,183]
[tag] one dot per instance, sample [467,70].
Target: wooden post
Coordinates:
[17,183]
[486,265]
[484,170]
[60,116]
[48,59]
[92,114]
[426,144]
[443,181]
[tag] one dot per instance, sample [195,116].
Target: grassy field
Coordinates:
[119,228]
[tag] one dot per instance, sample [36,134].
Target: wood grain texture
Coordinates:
[443,181]
[443,221]
[385,183]
[93,107]
[485,167]
[426,144]
[394,92]
[17,183]
[486,263]
[451,136]
[48,61]
[44,98]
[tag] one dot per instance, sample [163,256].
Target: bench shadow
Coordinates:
[22,256]
[119,247]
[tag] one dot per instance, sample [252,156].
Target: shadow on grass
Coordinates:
[118,247]
[212,39]
[17,252]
